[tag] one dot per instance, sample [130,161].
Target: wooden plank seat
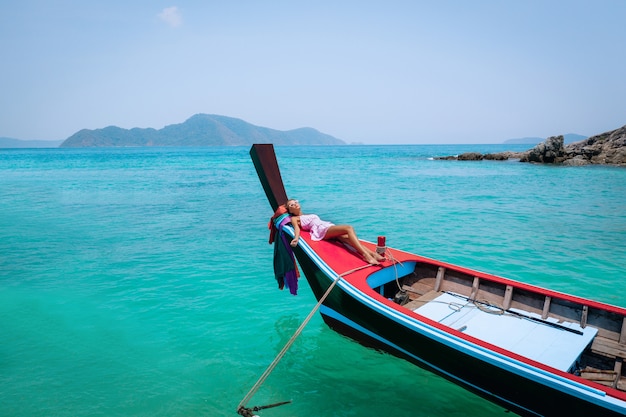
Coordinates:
[421,300]
[607,347]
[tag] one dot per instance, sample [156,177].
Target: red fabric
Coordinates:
[279,212]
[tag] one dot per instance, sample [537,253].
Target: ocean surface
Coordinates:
[139,282]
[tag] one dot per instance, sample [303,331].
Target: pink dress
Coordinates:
[312,223]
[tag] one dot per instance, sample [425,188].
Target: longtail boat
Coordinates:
[534,351]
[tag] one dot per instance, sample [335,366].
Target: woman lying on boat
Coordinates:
[323,230]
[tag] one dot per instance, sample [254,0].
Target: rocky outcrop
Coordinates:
[548,152]
[470,156]
[477,156]
[607,148]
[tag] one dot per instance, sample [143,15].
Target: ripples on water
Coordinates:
[139,281]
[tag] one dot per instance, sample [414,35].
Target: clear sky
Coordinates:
[467,71]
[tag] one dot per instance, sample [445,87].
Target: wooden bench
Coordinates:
[609,348]
[421,300]
[612,349]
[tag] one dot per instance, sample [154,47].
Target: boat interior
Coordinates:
[584,340]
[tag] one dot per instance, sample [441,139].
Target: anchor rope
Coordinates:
[284,350]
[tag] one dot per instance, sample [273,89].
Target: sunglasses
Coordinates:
[293,203]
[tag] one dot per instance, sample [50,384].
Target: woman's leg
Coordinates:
[346,234]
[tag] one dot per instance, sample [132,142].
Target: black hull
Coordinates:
[352,318]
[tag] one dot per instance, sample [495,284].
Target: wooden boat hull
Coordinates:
[361,306]
[516,387]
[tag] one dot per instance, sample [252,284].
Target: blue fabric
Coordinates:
[285,270]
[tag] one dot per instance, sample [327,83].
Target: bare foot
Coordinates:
[377,255]
[370,259]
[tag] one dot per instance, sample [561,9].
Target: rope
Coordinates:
[354,270]
[395,263]
[495,309]
[241,407]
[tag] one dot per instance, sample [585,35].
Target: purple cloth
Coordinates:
[284,261]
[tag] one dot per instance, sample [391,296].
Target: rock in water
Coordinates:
[548,152]
[605,148]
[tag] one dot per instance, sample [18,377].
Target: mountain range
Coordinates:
[199,130]
[205,130]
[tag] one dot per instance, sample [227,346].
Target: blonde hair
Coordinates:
[287,204]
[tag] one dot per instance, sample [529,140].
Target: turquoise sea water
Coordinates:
[138,282]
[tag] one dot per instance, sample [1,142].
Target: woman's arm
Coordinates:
[295,221]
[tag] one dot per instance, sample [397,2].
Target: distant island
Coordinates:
[568,138]
[17,143]
[198,130]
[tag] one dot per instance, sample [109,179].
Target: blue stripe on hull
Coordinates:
[332,314]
